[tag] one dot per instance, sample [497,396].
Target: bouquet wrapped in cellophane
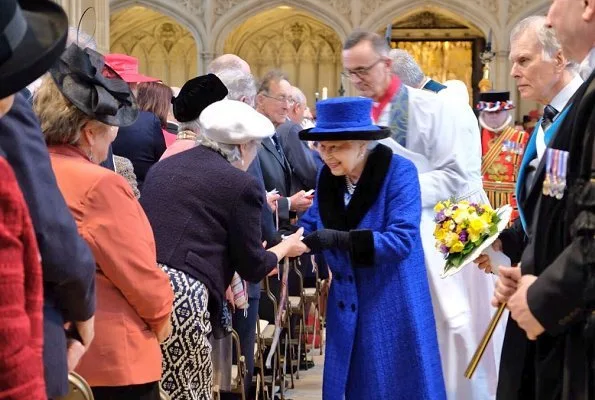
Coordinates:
[464,230]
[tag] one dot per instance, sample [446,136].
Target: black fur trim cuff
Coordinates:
[361,248]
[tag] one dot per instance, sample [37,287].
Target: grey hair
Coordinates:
[546,35]
[231,152]
[80,38]
[298,96]
[239,85]
[405,67]
[378,42]
[192,126]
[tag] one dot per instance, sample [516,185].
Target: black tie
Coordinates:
[278,146]
[549,113]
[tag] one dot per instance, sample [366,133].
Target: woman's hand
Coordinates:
[74,352]
[291,246]
[295,246]
[164,331]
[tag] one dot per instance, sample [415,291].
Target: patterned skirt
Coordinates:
[187,367]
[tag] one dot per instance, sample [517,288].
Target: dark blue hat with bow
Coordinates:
[345,118]
[93,87]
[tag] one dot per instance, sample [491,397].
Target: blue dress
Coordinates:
[381,334]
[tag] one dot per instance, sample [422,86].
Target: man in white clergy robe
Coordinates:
[438,136]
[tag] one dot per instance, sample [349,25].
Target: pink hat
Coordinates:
[127,67]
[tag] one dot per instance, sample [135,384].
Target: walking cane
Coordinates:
[484,341]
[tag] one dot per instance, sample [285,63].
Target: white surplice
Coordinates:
[443,141]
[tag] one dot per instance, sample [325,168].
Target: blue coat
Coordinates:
[381,334]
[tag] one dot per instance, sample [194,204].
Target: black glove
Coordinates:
[325,239]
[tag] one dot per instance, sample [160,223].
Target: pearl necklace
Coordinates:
[350,186]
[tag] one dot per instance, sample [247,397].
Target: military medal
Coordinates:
[561,179]
[548,168]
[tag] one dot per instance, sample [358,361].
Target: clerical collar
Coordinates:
[392,89]
[588,65]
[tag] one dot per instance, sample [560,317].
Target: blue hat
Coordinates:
[345,118]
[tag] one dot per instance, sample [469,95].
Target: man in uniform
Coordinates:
[502,148]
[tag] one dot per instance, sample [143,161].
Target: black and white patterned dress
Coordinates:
[187,366]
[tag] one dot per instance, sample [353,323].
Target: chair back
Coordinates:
[78,388]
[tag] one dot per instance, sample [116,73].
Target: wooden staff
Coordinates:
[484,342]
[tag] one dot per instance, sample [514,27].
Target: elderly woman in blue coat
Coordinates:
[381,335]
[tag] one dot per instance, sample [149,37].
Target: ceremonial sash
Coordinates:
[495,150]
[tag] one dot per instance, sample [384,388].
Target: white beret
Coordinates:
[234,122]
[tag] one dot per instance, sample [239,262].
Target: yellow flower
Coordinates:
[478,225]
[450,239]
[457,247]
[487,217]
[439,233]
[459,215]
[439,207]
[473,235]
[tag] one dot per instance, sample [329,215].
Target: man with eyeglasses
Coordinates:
[428,130]
[273,100]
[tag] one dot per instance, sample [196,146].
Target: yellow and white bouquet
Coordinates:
[464,230]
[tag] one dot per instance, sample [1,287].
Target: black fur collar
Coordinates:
[331,190]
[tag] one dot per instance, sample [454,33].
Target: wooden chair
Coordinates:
[78,388]
[163,395]
[238,370]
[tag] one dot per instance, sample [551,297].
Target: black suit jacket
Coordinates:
[300,157]
[67,262]
[276,172]
[561,252]
[142,143]
[269,233]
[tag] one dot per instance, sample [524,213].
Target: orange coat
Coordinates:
[134,297]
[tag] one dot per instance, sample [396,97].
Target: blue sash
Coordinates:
[433,86]
[531,154]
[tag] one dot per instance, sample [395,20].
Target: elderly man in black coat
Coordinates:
[552,297]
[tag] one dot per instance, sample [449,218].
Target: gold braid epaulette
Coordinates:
[496,148]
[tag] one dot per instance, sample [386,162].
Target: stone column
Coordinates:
[96,21]
[205,57]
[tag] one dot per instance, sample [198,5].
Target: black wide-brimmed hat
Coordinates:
[196,95]
[32,36]
[494,101]
[94,88]
[345,118]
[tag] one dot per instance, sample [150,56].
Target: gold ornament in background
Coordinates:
[443,60]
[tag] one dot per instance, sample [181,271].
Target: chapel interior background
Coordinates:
[176,39]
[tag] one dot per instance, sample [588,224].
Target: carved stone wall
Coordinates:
[214,24]
[306,50]
[165,49]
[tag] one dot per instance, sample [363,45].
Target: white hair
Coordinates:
[405,67]
[239,85]
[298,96]
[545,35]
[231,152]
[192,126]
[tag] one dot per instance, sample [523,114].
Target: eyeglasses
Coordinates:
[280,99]
[360,72]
